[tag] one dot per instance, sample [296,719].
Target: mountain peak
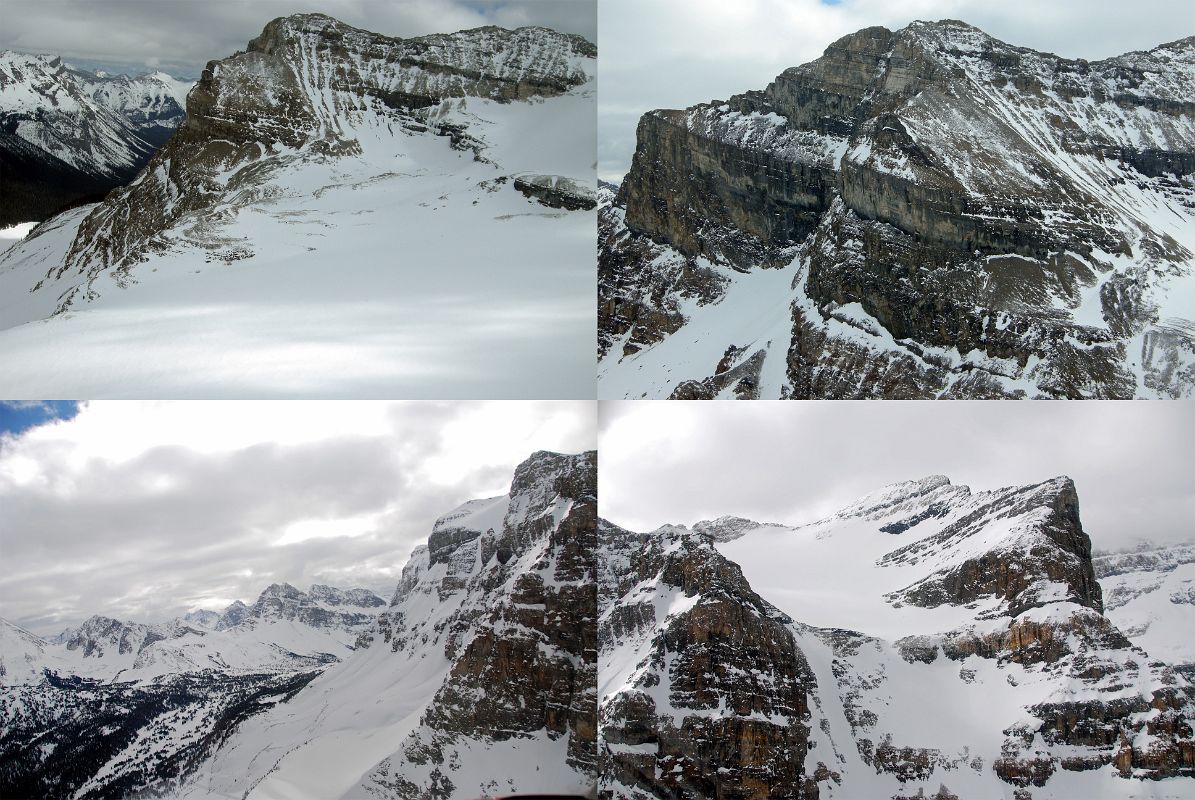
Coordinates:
[280,590]
[728,528]
[889,498]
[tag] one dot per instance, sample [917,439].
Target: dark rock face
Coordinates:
[642,284]
[925,185]
[717,707]
[759,189]
[523,640]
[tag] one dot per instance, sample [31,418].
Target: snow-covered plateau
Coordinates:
[342,214]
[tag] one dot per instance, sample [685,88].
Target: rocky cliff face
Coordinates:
[982,606]
[703,690]
[68,136]
[512,582]
[953,216]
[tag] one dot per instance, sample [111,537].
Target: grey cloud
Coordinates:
[797,462]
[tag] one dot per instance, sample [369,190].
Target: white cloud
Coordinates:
[144,510]
[183,35]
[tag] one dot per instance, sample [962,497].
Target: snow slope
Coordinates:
[1149,592]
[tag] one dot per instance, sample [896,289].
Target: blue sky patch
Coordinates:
[18,416]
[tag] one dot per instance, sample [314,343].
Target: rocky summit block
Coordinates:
[959,217]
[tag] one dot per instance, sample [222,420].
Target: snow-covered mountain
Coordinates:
[919,213]
[67,134]
[302,232]
[100,707]
[924,641]
[478,677]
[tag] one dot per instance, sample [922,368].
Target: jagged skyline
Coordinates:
[661,55]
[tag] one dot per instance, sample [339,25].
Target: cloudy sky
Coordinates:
[799,462]
[675,53]
[181,36]
[147,510]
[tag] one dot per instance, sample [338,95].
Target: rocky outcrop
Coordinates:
[556,191]
[643,285]
[515,609]
[1048,560]
[708,690]
[961,218]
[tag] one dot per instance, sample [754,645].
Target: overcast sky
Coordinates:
[144,511]
[181,36]
[675,53]
[797,462]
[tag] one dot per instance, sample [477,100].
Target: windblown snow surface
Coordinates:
[405,270]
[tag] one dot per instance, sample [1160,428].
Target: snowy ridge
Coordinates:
[284,630]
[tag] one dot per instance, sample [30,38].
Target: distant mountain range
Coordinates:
[70,136]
